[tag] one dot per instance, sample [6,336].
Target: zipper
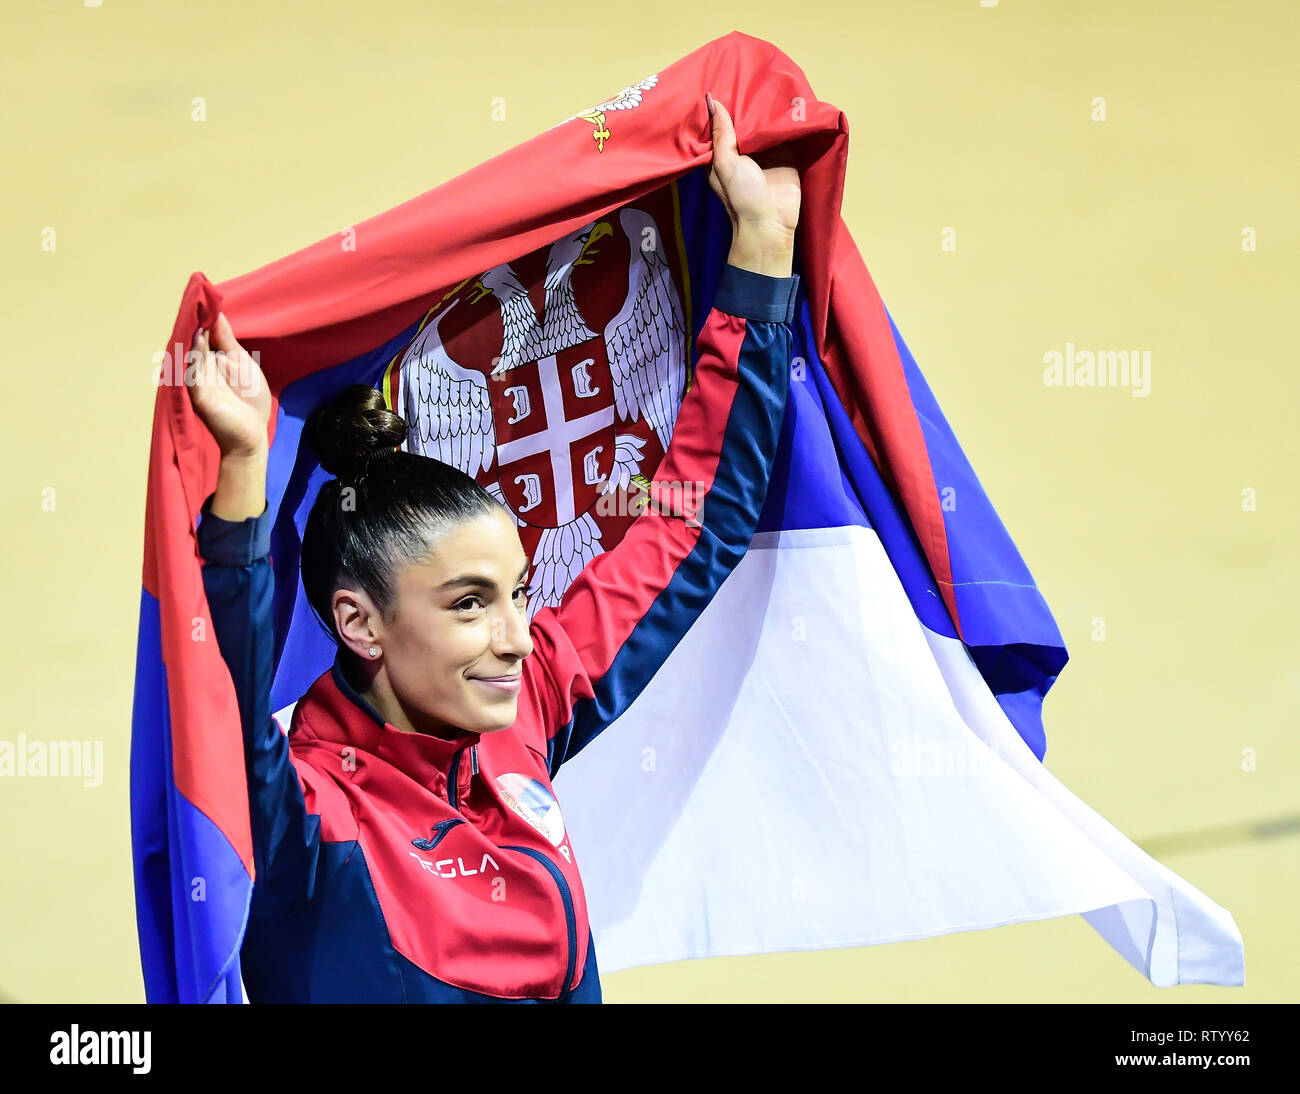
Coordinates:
[571,921]
[453,779]
[453,774]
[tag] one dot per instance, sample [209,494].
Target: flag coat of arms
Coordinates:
[844,749]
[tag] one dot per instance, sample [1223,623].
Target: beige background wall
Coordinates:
[1125,233]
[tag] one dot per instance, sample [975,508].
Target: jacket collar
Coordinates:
[335,711]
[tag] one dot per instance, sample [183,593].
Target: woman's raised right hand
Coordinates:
[229,392]
[761,195]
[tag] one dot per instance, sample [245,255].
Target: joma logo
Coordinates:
[454,867]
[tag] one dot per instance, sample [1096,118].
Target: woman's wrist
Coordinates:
[763,248]
[241,485]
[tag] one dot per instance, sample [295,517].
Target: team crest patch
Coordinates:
[534,802]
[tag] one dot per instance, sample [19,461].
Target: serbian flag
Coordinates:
[845,748]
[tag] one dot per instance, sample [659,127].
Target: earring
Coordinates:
[374,651]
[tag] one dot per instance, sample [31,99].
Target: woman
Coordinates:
[407,844]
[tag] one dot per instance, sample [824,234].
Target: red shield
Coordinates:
[554,422]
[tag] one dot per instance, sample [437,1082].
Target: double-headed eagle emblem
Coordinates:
[547,417]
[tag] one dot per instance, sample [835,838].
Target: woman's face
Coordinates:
[460,616]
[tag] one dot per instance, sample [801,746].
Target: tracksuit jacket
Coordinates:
[401,867]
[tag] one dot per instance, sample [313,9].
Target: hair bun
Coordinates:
[353,429]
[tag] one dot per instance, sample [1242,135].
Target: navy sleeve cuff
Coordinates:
[753,295]
[234,542]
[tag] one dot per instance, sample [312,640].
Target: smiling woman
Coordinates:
[407,844]
[391,547]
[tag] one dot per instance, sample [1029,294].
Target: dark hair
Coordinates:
[384,507]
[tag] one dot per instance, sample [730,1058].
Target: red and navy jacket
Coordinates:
[401,867]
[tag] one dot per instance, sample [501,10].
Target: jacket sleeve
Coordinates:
[616,624]
[239,584]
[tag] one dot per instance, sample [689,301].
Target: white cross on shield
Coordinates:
[554,421]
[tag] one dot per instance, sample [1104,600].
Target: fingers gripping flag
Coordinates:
[845,749]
